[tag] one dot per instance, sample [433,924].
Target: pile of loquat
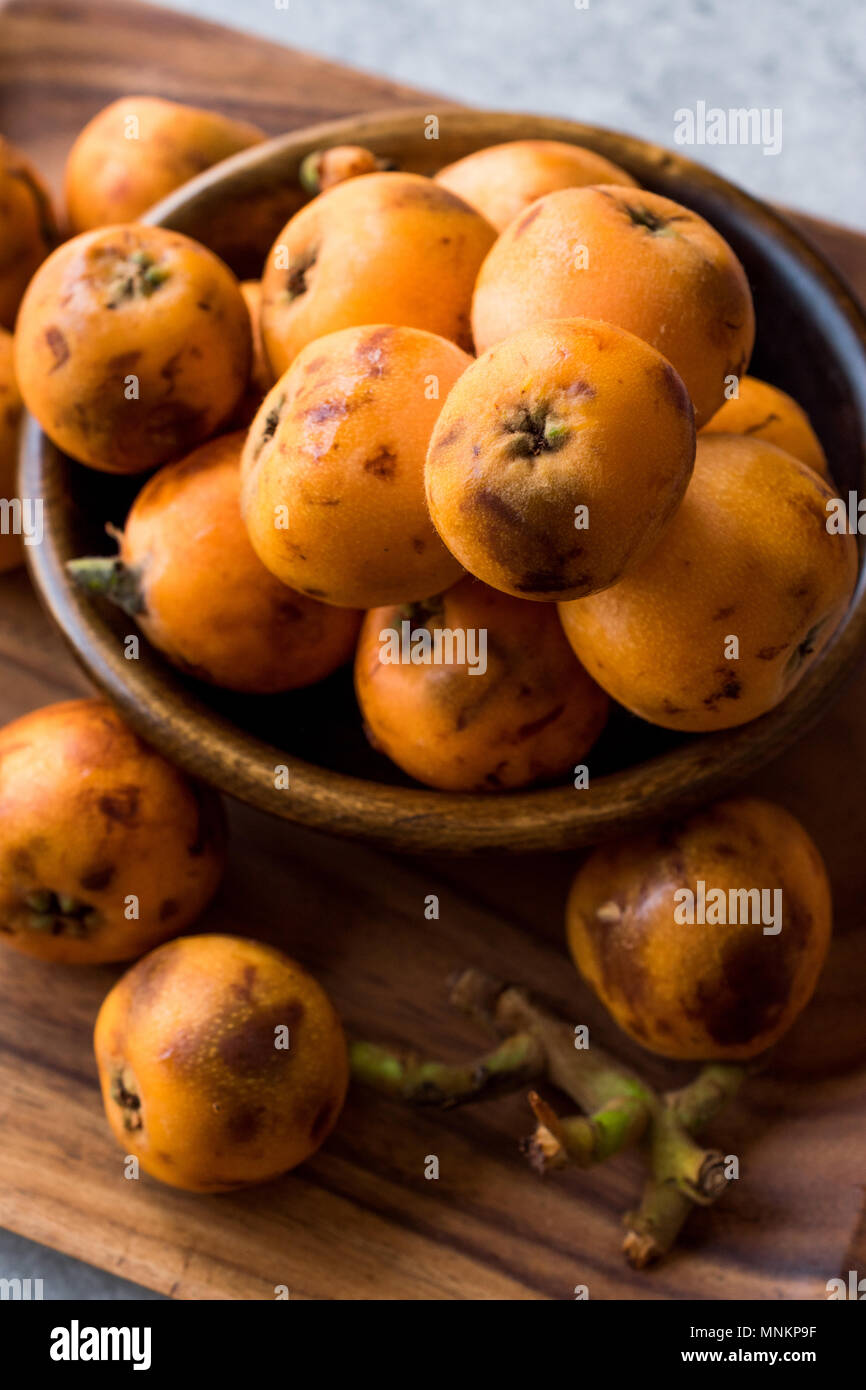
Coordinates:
[511,400]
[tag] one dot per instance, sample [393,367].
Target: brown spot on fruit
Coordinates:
[370,351]
[536,725]
[97,878]
[756,989]
[622,969]
[123,362]
[57,345]
[450,436]
[251,1047]
[245,987]
[382,465]
[730,689]
[22,860]
[170,369]
[487,500]
[244,1124]
[549,582]
[493,780]
[121,805]
[760,424]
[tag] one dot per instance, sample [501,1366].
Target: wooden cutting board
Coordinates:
[361,1220]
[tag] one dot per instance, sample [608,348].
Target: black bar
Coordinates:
[286,1339]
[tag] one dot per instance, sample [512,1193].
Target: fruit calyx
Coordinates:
[423,611]
[139,276]
[61,914]
[296,280]
[125,1093]
[109,576]
[272,420]
[533,431]
[655,222]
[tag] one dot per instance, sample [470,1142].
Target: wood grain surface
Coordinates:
[360,1220]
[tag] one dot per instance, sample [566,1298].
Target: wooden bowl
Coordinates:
[811,342]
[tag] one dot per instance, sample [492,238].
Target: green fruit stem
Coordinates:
[409,1077]
[110,578]
[619,1108]
[308,172]
[682,1173]
[590,1076]
[583,1139]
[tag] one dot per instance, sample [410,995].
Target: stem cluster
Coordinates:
[616,1108]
